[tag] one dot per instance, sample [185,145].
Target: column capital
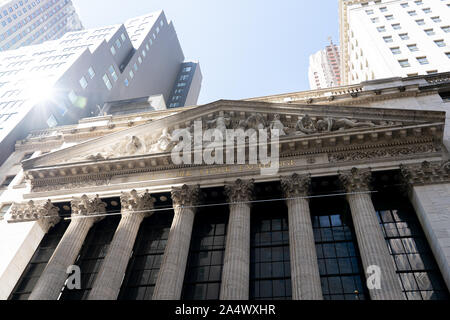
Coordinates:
[88,206]
[426,172]
[186,195]
[240,190]
[296,185]
[356,180]
[44,212]
[135,202]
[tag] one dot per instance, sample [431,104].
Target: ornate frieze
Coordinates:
[88,206]
[44,212]
[426,173]
[296,185]
[240,190]
[134,202]
[186,195]
[383,152]
[356,180]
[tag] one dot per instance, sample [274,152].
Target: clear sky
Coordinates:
[246,48]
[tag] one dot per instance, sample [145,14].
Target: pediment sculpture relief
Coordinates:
[306,125]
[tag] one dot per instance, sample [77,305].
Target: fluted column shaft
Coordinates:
[305,277]
[54,275]
[169,283]
[52,279]
[236,266]
[372,245]
[135,207]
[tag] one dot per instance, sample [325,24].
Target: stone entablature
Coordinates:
[426,173]
[338,135]
[43,211]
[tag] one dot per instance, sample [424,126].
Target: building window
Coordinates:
[187,69]
[412,47]
[396,50]
[396,26]
[412,13]
[432,72]
[203,275]
[436,19]
[140,59]
[369,12]
[93,253]
[131,73]
[83,82]
[27,156]
[440,43]
[388,39]
[340,268]
[429,32]
[118,44]
[420,22]
[4,209]
[422,60]
[447,54]
[143,267]
[41,256]
[144,54]
[446,29]
[174,105]
[113,50]
[404,5]
[404,63]
[415,265]
[126,82]
[390,17]
[383,9]
[112,71]
[375,20]
[122,36]
[91,72]
[7,181]
[135,67]
[404,36]
[427,10]
[270,273]
[181,84]
[107,82]
[72,97]
[418,2]
[381,29]
[184,77]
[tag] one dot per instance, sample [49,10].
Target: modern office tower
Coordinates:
[382,39]
[324,68]
[108,197]
[25,22]
[61,81]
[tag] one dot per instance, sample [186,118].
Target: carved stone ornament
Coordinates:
[240,190]
[356,180]
[134,202]
[44,212]
[426,173]
[296,185]
[306,125]
[88,206]
[186,196]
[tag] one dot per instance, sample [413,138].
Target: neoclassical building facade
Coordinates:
[359,208]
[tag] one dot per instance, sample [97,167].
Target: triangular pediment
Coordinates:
[298,124]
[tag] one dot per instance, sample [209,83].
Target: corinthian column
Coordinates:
[372,245]
[236,266]
[45,213]
[135,207]
[54,275]
[171,275]
[305,275]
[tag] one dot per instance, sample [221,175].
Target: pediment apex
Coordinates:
[291,119]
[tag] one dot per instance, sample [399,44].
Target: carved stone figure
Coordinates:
[278,125]
[164,143]
[221,123]
[255,121]
[330,124]
[133,145]
[305,125]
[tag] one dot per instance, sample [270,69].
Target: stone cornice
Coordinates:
[426,173]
